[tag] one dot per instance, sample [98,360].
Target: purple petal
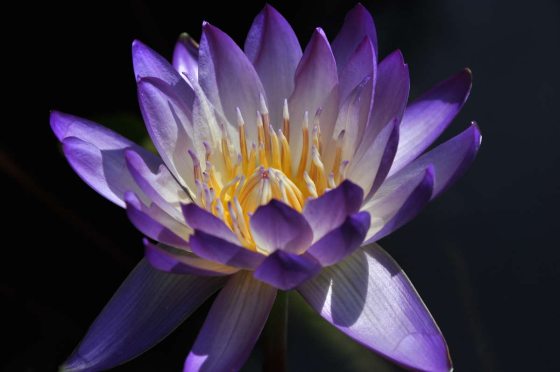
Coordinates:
[202,220]
[316,82]
[102,170]
[391,91]
[97,155]
[228,77]
[158,184]
[233,325]
[220,250]
[153,222]
[168,120]
[395,204]
[357,24]
[185,57]
[353,118]
[145,309]
[331,209]
[362,63]
[274,49]
[182,262]
[368,297]
[391,94]
[369,168]
[450,160]
[426,118]
[148,63]
[276,226]
[342,241]
[286,271]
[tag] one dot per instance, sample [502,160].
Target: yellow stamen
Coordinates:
[286,155]
[286,120]
[275,147]
[234,186]
[305,148]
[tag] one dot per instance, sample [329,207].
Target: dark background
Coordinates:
[485,256]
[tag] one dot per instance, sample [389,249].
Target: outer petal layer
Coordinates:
[97,155]
[428,116]
[368,297]
[396,204]
[233,325]
[177,261]
[450,160]
[146,308]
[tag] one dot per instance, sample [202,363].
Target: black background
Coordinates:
[485,256]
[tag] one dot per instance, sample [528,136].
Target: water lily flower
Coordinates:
[278,169]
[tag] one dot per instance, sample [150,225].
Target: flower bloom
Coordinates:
[277,169]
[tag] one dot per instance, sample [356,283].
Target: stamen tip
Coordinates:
[285,111]
[263,108]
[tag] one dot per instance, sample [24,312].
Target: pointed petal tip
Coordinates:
[319,32]
[477,134]
[138,45]
[58,124]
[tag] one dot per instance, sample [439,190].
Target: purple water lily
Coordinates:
[277,170]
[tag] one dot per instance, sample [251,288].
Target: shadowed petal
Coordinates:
[396,204]
[168,120]
[153,222]
[185,57]
[233,325]
[228,77]
[316,82]
[202,220]
[146,308]
[97,155]
[158,184]
[391,94]
[331,209]
[391,91]
[220,250]
[274,49]
[341,241]
[148,63]
[179,261]
[276,226]
[286,271]
[428,116]
[368,297]
[362,63]
[353,118]
[450,160]
[357,24]
[370,168]
[102,170]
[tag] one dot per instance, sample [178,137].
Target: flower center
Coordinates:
[236,182]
